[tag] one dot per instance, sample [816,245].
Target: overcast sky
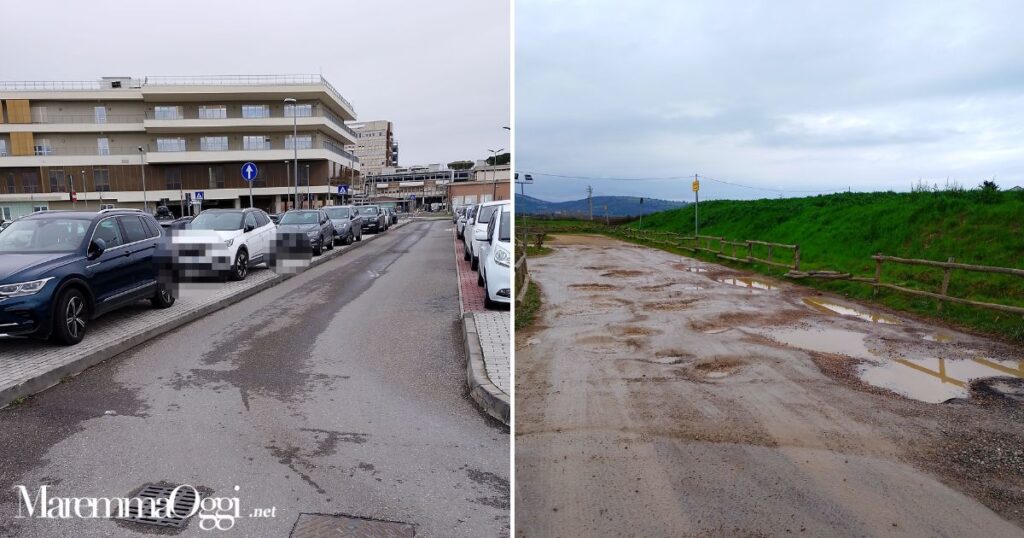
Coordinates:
[439,69]
[787,95]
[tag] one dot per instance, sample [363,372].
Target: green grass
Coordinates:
[526,312]
[841,231]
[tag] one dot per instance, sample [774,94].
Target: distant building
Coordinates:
[419,186]
[190,134]
[374,146]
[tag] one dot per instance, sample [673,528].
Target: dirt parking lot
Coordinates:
[665,396]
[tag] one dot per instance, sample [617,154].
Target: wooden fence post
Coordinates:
[796,258]
[878,274]
[770,253]
[750,252]
[945,283]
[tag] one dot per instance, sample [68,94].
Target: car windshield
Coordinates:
[300,217]
[217,221]
[505,229]
[44,235]
[337,212]
[368,210]
[485,214]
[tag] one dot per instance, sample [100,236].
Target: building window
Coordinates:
[11,184]
[304,176]
[57,181]
[29,182]
[173,177]
[255,143]
[216,177]
[3,148]
[100,114]
[167,112]
[298,111]
[304,142]
[5,212]
[101,180]
[39,114]
[38,208]
[170,144]
[261,178]
[218,112]
[43,147]
[102,146]
[255,111]
[213,143]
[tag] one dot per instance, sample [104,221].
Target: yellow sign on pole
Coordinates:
[696,185]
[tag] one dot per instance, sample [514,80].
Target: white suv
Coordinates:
[495,273]
[477,233]
[225,242]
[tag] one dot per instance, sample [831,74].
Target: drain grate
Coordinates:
[161,495]
[315,526]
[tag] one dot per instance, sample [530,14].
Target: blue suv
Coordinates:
[59,270]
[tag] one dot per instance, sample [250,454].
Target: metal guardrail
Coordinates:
[87,118]
[331,146]
[52,85]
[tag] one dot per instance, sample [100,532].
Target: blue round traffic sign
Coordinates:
[250,171]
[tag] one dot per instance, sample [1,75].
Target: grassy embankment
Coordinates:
[841,232]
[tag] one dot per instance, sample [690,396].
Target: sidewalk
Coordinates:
[487,336]
[31,366]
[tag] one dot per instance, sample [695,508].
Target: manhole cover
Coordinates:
[143,512]
[315,526]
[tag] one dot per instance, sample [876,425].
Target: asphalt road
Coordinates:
[340,391]
[655,397]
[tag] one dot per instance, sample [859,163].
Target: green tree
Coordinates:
[503,158]
[460,165]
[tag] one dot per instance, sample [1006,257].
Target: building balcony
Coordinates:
[78,123]
[319,119]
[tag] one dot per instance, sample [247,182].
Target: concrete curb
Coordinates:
[486,394]
[42,381]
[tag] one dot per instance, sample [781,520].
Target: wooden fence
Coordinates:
[522,274]
[738,251]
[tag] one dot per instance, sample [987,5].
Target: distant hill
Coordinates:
[618,206]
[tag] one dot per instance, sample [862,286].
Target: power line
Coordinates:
[664,178]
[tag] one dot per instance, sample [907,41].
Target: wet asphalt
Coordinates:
[340,391]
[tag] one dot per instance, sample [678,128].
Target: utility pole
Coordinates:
[590,201]
[641,213]
[606,214]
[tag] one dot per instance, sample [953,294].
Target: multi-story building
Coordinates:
[419,186]
[183,137]
[375,146]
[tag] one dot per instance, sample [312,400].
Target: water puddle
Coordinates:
[749,283]
[697,269]
[837,341]
[936,380]
[940,337]
[827,306]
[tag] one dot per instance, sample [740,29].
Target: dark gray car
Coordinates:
[313,223]
[373,218]
[348,225]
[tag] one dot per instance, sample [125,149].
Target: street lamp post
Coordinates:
[288,172]
[309,201]
[295,146]
[142,165]
[494,172]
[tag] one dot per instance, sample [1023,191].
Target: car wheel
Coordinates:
[350,238]
[466,255]
[241,268]
[475,264]
[319,248]
[360,238]
[163,298]
[70,318]
[330,244]
[479,278]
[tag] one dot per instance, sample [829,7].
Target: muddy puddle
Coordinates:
[939,337]
[749,283]
[823,340]
[936,380]
[827,306]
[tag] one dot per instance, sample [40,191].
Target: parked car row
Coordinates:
[59,270]
[485,230]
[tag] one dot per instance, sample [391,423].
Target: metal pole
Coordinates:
[85,194]
[74,201]
[288,171]
[309,201]
[250,194]
[142,164]
[295,147]
[696,212]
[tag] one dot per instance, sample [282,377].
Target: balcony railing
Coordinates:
[87,118]
[318,112]
[47,151]
[246,80]
[331,146]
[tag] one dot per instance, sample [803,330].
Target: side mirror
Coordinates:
[248,228]
[97,248]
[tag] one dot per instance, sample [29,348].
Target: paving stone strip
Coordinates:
[30,366]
